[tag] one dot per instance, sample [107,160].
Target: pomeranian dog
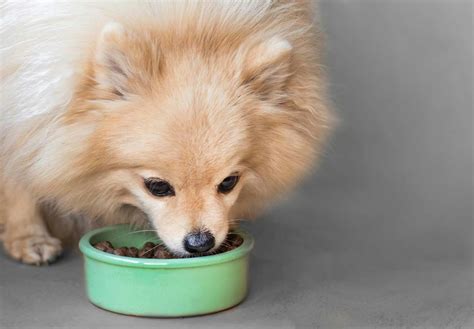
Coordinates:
[181,115]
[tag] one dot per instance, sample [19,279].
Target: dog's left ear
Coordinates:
[125,63]
[267,66]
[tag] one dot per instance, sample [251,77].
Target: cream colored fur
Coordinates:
[98,96]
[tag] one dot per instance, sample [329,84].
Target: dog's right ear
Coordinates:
[124,62]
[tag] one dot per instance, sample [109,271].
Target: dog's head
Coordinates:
[197,133]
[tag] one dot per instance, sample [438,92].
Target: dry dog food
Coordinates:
[151,250]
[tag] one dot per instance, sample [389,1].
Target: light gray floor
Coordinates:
[381,237]
[308,281]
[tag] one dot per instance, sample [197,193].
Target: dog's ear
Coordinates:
[124,62]
[267,66]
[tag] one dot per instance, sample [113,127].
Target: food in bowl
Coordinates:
[152,250]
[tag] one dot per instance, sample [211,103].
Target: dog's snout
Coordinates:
[200,241]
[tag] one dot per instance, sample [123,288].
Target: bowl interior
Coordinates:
[124,236]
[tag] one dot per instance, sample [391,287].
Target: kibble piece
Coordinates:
[221,249]
[105,246]
[236,240]
[132,252]
[148,245]
[145,252]
[162,253]
[123,251]
[101,246]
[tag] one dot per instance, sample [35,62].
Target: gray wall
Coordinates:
[397,179]
[401,164]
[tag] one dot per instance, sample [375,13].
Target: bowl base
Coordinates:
[171,316]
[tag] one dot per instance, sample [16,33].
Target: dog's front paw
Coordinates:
[35,249]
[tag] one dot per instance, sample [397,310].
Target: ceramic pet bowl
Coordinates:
[162,287]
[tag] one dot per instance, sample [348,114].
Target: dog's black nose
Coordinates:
[200,241]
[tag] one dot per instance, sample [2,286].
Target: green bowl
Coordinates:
[162,287]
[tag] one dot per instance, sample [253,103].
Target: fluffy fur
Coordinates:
[96,97]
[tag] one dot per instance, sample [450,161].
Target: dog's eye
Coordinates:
[228,184]
[159,187]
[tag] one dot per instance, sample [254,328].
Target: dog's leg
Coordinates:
[25,235]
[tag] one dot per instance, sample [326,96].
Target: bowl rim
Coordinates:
[89,251]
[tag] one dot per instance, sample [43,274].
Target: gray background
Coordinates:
[381,236]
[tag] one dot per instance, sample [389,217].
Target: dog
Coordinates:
[181,115]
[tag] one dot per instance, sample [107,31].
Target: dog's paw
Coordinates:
[36,249]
